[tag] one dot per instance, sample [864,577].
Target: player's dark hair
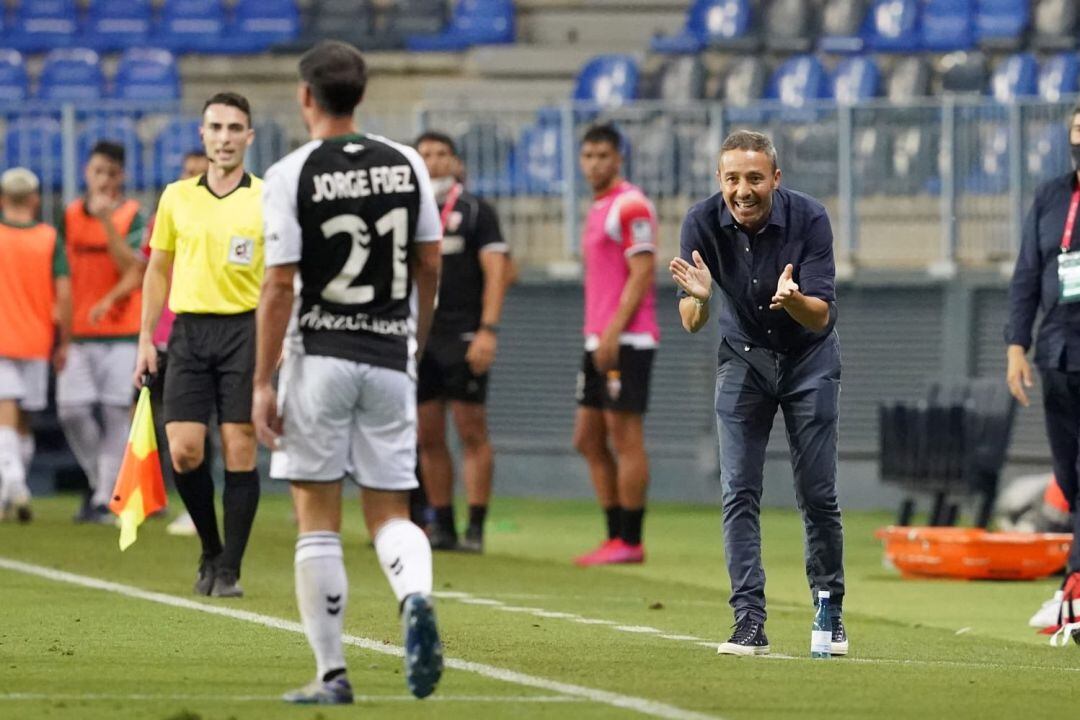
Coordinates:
[750,140]
[437,137]
[604,133]
[337,75]
[112,150]
[194,155]
[231,99]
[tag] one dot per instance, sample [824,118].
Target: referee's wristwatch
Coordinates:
[493,329]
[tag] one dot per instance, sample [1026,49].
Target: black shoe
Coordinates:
[747,639]
[839,636]
[204,582]
[226,584]
[441,538]
[473,542]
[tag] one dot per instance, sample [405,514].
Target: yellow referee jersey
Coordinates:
[217,245]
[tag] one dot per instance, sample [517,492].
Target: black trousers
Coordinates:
[1061,402]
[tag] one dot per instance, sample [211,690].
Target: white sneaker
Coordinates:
[1047,615]
[182,526]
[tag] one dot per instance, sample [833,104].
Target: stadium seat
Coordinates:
[259,24]
[537,167]
[870,146]
[1047,152]
[607,80]
[42,25]
[147,74]
[473,22]
[1058,76]
[913,160]
[351,21]
[988,173]
[712,23]
[964,73]
[14,82]
[1054,27]
[679,79]
[488,152]
[192,26]
[798,82]
[948,25]
[118,129]
[71,74]
[270,145]
[179,137]
[894,26]
[117,25]
[419,17]
[35,143]
[856,79]
[1015,77]
[790,26]
[651,157]
[1001,24]
[844,26]
[909,80]
[743,85]
[810,155]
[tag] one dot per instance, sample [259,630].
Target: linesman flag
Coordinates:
[140,489]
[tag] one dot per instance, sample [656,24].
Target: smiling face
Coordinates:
[226,134]
[747,181]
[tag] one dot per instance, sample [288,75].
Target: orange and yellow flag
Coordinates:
[140,489]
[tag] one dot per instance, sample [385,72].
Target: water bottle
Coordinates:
[821,634]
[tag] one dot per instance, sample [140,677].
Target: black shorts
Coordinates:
[626,388]
[211,367]
[444,374]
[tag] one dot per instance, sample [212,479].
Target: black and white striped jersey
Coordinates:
[349,212]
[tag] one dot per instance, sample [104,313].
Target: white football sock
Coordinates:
[322,591]
[27,447]
[83,436]
[405,555]
[13,488]
[114,437]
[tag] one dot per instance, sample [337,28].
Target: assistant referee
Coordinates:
[208,234]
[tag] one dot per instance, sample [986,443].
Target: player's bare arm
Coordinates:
[696,281]
[426,266]
[102,206]
[63,322]
[481,352]
[155,288]
[810,312]
[271,322]
[130,280]
[641,264]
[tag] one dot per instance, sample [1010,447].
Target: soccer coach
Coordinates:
[769,249]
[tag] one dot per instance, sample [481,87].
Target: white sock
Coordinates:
[405,555]
[13,488]
[27,447]
[322,591]
[114,437]
[83,436]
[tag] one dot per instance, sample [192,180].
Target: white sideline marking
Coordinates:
[555,615]
[479,601]
[626,702]
[594,621]
[683,638]
[641,629]
[50,697]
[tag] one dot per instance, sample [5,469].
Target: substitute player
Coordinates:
[34,289]
[461,349]
[208,234]
[353,218]
[621,336]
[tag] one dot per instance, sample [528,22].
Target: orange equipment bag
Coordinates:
[974,554]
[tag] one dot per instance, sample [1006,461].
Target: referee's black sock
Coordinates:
[444,519]
[196,489]
[614,521]
[477,516]
[240,500]
[631,526]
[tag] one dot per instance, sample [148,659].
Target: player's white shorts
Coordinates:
[342,417]
[26,381]
[98,372]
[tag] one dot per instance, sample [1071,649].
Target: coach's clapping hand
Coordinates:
[786,289]
[145,362]
[695,280]
[264,415]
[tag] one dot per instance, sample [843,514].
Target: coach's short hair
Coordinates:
[437,137]
[752,141]
[111,150]
[603,133]
[337,75]
[231,99]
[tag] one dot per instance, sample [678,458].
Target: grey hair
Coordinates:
[750,140]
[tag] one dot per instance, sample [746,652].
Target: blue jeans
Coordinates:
[751,383]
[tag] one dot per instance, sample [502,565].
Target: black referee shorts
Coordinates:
[211,367]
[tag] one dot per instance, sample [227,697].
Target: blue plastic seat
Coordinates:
[948,25]
[1047,152]
[14,82]
[1001,22]
[42,25]
[474,22]
[117,24]
[35,143]
[856,80]
[118,129]
[708,23]
[894,26]
[1014,77]
[147,74]
[607,80]
[71,74]
[845,26]
[537,161]
[192,26]
[990,170]
[797,85]
[259,24]
[1058,76]
[179,137]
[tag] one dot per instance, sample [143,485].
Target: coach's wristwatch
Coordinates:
[493,329]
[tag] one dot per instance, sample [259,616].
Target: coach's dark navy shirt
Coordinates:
[748,268]
[1035,282]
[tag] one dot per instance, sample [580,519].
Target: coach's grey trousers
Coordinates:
[751,383]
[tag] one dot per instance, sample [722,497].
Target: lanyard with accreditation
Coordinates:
[1069,260]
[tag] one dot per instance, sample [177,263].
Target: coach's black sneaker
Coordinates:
[748,639]
[226,584]
[839,636]
[204,581]
[441,538]
[473,542]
